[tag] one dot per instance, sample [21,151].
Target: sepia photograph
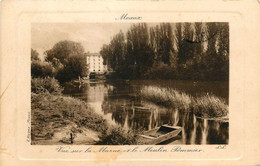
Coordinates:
[129,82]
[164,83]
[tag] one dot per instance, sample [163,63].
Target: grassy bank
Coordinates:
[52,113]
[55,118]
[207,106]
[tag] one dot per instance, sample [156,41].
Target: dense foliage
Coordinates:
[42,69]
[117,136]
[192,51]
[34,55]
[65,61]
[47,84]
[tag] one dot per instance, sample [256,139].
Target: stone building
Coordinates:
[95,63]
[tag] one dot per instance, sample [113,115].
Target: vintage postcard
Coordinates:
[130,82]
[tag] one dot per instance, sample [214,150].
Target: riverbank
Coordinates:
[52,114]
[206,106]
[58,119]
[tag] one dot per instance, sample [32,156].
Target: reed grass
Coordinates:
[207,106]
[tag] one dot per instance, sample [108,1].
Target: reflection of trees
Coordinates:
[75,90]
[120,101]
[188,126]
[218,132]
[136,119]
[199,131]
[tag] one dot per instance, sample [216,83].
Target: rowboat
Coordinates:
[159,135]
[135,107]
[142,108]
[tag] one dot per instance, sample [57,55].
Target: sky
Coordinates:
[92,36]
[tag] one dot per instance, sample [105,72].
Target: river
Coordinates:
[119,103]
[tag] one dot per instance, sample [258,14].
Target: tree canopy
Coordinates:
[192,51]
[65,61]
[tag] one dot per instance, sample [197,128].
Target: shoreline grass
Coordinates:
[207,106]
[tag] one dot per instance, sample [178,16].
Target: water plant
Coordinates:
[208,106]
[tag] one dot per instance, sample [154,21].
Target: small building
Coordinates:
[95,63]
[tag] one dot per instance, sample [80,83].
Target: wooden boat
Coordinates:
[159,134]
[141,108]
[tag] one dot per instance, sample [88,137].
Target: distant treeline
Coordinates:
[188,51]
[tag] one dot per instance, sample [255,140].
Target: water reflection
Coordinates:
[120,104]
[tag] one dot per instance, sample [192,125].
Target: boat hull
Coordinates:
[157,135]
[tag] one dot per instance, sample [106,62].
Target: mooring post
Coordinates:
[71,138]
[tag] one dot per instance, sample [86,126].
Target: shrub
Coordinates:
[42,69]
[34,55]
[117,136]
[47,84]
[161,71]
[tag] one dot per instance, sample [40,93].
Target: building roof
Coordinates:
[93,54]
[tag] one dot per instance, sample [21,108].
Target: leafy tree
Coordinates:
[106,54]
[74,67]
[62,50]
[223,50]
[194,51]
[166,42]
[34,55]
[186,44]
[69,60]
[155,42]
[139,51]
[114,53]
[42,69]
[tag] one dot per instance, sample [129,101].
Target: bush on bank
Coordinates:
[47,84]
[42,69]
[117,136]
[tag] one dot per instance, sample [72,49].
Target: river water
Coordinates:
[120,104]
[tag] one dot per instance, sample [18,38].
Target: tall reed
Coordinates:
[209,106]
